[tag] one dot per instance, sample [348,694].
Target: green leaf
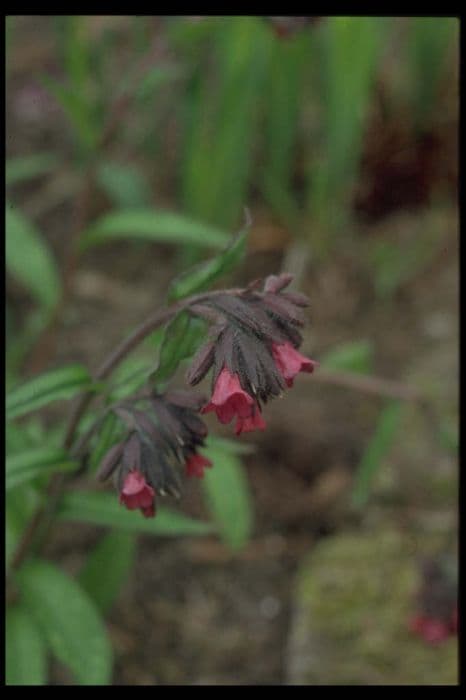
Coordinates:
[104,509]
[69,621]
[105,439]
[355,356]
[31,464]
[205,274]
[236,447]
[51,386]
[228,496]
[124,184]
[29,259]
[28,167]
[20,506]
[375,451]
[152,225]
[107,568]
[77,109]
[26,654]
[182,337]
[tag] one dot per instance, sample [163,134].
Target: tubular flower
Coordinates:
[229,399]
[136,493]
[290,362]
[252,350]
[195,465]
[159,442]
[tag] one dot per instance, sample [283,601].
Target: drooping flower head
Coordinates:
[163,436]
[252,351]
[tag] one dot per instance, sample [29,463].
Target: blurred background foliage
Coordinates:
[130,132]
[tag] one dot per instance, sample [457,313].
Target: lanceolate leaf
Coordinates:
[104,509]
[355,356]
[26,652]
[228,496]
[24,168]
[29,260]
[68,620]
[124,184]
[182,337]
[205,274]
[152,225]
[376,450]
[107,568]
[31,464]
[59,384]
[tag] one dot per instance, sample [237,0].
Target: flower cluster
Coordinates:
[160,439]
[252,350]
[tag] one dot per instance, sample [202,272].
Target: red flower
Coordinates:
[252,422]
[290,362]
[137,493]
[432,630]
[229,398]
[196,464]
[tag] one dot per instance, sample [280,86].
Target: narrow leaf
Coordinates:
[355,356]
[376,450]
[68,620]
[34,463]
[228,496]
[24,168]
[152,225]
[124,184]
[29,259]
[107,568]
[26,662]
[205,274]
[51,386]
[104,509]
[182,337]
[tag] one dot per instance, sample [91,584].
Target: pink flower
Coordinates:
[290,362]
[432,630]
[137,493]
[252,422]
[229,398]
[196,464]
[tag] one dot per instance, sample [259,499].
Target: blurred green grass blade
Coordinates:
[31,464]
[429,41]
[51,386]
[25,653]
[222,109]
[124,184]
[29,259]
[23,168]
[286,68]
[104,509]
[350,53]
[355,356]
[107,567]
[152,225]
[205,274]
[76,110]
[68,620]
[380,443]
[228,496]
